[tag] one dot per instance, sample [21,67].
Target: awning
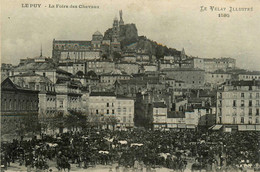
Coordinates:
[250,127]
[241,127]
[190,126]
[247,127]
[171,125]
[181,126]
[217,127]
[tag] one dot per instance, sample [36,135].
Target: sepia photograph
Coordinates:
[130,86]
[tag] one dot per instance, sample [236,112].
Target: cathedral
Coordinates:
[73,50]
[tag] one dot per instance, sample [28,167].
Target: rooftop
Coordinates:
[79,42]
[33,77]
[36,66]
[97,33]
[174,114]
[181,69]
[110,94]
[123,97]
[246,83]
[159,105]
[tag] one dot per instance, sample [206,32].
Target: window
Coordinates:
[250,120]
[250,103]
[242,120]
[250,95]
[107,111]
[234,103]
[257,95]
[107,104]
[250,112]
[242,94]
[257,102]
[257,111]
[124,109]
[61,104]
[96,111]
[242,103]
[112,104]
[113,111]
[234,120]
[44,74]
[257,120]
[124,119]
[15,104]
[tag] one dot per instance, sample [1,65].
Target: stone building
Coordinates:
[194,78]
[218,77]
[19,107]
[46,69]
[129,68]
[159,115]
[112,77]
[68,96]
[238,105]
[76,50]
[108,105]
[211,65]
[100,66]
[5,70]
[46,88]
[249,75]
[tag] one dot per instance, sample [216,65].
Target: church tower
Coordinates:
[183,55]
[121,22]
[115,44]
[115,30]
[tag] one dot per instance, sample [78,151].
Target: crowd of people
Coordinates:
[137,149]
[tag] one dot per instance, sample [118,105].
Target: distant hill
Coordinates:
[129,39]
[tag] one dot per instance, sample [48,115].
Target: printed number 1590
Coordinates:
[223,15]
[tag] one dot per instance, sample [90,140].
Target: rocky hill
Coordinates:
[129,39]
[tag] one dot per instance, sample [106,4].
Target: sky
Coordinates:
[173,23]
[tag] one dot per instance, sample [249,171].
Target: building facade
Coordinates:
[238,105]
[194,78]
[107,104]
[159,115]
[19,106]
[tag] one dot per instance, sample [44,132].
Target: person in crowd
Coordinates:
[134,149]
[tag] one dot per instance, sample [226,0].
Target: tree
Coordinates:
[56,122]
[104,56]
[117,56]
[113,121]
[110,120]
[94,120]
[28,124]
[92,74]
[80,73]
[75,120]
